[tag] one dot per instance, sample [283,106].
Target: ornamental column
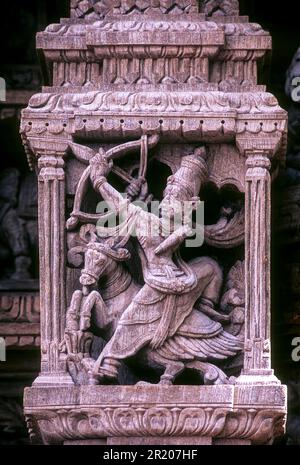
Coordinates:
[52,246]
[257,360]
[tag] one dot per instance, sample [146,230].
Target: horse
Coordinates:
[105,265]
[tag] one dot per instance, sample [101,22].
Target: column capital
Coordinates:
[265,146]
[49,155]
[41,147]
[258,160]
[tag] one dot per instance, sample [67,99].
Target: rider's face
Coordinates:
[171,205]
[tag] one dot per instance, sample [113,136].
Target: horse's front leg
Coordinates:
[69,343]
[94,302]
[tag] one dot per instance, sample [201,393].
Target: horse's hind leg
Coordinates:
[211,374]
[172,368]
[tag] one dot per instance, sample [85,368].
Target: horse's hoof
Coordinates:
[143,384]
[93,381]
[165,383]
[166,380]
[102,380]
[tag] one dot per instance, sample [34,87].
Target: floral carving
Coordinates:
[259,426]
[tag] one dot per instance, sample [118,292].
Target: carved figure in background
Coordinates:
[13,236]
[162,317]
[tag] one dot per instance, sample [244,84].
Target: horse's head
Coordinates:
[96,263]
[100,260]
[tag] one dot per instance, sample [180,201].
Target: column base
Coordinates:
[258,378]
[53,379]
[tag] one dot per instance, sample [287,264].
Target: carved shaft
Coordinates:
[52,259]
[258,219]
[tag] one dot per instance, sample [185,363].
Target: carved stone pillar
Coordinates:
[257,359]
[189,80]
[51,185]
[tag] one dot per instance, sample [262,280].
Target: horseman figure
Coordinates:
[162,317]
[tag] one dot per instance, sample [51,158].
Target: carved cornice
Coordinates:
[55,118]
[157,38]
[82,41]
[193,24]
[251,103]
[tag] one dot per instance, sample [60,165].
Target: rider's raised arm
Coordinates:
[100,169]
[109,194]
